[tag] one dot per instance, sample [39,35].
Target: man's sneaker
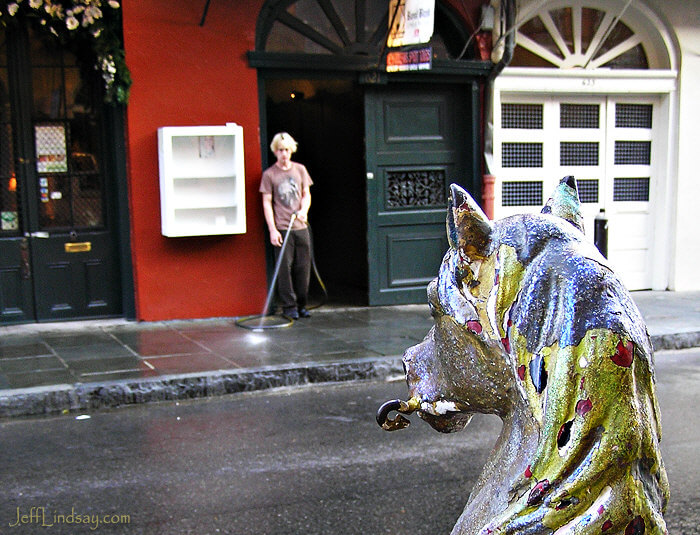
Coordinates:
[290,313]
[303,313]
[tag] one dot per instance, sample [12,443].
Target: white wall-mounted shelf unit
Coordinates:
[202,180]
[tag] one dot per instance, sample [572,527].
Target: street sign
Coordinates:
[411,22]
[410,60]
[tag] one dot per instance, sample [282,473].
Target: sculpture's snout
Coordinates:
[401,407]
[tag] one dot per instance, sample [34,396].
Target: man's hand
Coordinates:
[302,216]
[276,238]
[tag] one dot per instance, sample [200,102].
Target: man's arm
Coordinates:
[275,236]
[302,214]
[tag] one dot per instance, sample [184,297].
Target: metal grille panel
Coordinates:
[522,155]
[522,193]
[527,116]
[632,152]
[578,153]
[633,115]
[588,190]
[579,116]
[631,189]
[405,189]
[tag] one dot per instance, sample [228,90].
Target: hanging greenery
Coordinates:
[93,23]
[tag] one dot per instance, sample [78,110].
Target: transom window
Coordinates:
[578,37]
[346,28]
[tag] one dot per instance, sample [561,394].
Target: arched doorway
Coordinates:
[589,93]
[59,254]
[381,147]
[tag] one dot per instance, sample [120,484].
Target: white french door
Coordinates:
[605,142]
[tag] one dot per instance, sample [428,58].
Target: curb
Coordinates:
[686,340]
[90,397]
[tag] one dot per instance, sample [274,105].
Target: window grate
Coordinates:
[579,116]
[632,152]
[522,155]
[521,193]
[587,190]
[521,116]
[633,115]
[578,153]
[631,189]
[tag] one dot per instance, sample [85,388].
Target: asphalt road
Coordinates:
[300,461]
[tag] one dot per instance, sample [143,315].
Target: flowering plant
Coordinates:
[96,23]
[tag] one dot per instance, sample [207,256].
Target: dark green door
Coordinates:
[57,247]
[419,139]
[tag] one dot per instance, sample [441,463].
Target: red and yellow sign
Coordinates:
[410,60]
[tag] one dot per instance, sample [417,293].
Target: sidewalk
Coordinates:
[88,365]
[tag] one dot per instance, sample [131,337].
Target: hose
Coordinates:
[262,324]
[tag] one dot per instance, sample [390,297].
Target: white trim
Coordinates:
[607,81]
[667,235]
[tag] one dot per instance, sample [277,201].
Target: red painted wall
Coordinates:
[185,74]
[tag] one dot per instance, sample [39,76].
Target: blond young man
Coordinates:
[285,188]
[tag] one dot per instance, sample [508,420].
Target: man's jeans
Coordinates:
[295,269]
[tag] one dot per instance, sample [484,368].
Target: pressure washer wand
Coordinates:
[277,267]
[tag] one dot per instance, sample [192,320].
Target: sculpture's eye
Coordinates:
[464,278]
[460,275]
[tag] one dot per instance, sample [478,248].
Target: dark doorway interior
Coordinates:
[326,119]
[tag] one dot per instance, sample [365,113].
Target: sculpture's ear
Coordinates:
[565,203]
[468,227]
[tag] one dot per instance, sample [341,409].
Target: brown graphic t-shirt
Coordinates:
[286,187]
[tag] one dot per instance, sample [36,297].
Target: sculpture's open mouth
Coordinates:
[449,421]
[442,415]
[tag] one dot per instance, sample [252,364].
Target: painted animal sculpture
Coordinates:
[532,325]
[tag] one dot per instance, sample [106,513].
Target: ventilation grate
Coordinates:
[522,155]
[631,189]
[587,190]
[521,116]
[632,152]
[579,116]
[578,153]
[633,115]
[522,193]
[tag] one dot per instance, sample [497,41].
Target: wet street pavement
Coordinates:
[308,460]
